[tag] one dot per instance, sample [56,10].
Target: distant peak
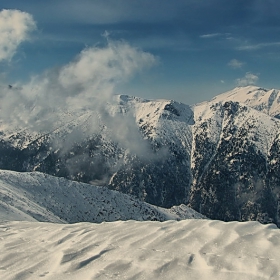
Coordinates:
[259,98]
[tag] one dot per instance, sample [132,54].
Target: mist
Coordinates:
[84,87]
[75,105]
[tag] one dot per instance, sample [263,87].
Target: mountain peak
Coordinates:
[153,111]
[261,99]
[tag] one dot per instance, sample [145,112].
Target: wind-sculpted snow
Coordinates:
[36,196]
[191,249]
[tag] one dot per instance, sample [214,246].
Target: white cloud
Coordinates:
[235,64]
[212,35]
[96,71]
[15,27]
[115,63]
[248,79]
[88,82]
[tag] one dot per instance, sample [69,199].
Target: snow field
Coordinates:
[189,249]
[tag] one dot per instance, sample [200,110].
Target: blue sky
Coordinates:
[202,47]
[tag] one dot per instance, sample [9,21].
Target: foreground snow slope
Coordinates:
[190,249]
[37,196]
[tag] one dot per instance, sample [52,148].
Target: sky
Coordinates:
[192,49]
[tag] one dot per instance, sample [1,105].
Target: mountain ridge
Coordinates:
[40,197]
[261,99]
[220,157]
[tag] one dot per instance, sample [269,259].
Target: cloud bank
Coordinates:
[15,28]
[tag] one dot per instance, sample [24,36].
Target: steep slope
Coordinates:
[40,197]
[159,174]
[261,99]
[235,163]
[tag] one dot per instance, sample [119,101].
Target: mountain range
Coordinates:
[220,157]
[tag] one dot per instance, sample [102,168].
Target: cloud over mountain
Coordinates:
[248,79]
[86,82]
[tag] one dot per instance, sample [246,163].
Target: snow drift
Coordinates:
[190,249]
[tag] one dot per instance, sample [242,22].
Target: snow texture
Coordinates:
[261,99]
[190,249]
[39,197]
[262,129]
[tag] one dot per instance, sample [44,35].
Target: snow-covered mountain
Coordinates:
[221,157]
[137,146]
[39,197]
[190,249]
[261,99]
[235,162]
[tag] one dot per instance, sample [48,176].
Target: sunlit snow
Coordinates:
[190,249]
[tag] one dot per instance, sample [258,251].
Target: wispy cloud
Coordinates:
[211,35]
[15,27]
[248,79]
[235,64]
[258,46]
[87,82]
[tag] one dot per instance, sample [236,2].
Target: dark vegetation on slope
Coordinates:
[229,180]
